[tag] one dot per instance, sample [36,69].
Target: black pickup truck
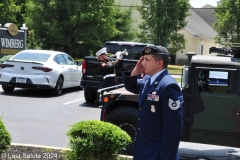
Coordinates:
[92,79]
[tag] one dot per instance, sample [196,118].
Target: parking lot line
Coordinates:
[73,101]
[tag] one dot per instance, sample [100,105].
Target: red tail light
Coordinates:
[44,69]
[5,65]
[84,66]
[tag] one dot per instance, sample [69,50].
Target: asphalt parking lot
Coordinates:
[39,118]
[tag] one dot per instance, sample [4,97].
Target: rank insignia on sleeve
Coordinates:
[174,105]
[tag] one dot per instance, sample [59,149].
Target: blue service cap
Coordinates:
[151,49]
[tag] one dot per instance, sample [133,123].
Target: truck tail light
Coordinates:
[44,69]
[84,66]
[5,65]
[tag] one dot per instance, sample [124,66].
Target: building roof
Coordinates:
[199,27]
[207,14]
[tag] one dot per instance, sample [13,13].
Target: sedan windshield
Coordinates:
[28,56]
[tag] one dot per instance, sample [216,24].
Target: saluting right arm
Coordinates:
[138,69]
[131,81]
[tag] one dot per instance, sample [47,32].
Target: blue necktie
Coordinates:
[148,84]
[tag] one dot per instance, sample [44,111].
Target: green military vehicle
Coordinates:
[211,90]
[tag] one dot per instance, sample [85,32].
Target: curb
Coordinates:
[39,146]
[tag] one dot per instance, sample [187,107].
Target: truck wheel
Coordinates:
[90,95]
[8,89]
[126,118]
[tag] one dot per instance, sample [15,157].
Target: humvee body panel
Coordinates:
[211,110]
[121,90]
[217,60]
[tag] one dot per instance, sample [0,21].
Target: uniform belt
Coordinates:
[109,75]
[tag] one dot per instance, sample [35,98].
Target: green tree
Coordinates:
[228,22]
[10,11]
[13,11]
[125,30]
[162,21]
[77,28]
[20,16]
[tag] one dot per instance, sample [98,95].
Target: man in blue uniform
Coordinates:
[160,118]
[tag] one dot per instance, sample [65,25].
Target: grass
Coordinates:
[174,69]
[178,80]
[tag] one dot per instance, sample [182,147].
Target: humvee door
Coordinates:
[214,107]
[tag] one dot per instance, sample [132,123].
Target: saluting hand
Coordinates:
[138,69]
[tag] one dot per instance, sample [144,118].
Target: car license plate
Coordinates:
[20,80]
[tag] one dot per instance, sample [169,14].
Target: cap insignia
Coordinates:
[147,50]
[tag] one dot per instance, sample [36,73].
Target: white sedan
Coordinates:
[42,69]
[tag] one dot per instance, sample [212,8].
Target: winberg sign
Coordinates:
[12,43]
[12,39]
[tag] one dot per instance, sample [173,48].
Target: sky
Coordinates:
[201,3]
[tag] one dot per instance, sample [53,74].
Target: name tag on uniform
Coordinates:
[153,97]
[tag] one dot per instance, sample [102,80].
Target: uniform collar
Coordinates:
[153,78]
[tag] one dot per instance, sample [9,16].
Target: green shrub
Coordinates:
[4,58]
[5,137]
[96,140]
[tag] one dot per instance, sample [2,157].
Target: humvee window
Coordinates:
[212,81]
[218,77]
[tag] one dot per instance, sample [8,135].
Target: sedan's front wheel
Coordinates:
[8,89]
[57,91]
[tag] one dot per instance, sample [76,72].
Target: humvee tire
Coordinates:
[90,95]
[126,118]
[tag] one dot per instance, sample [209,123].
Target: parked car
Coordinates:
[41,69]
